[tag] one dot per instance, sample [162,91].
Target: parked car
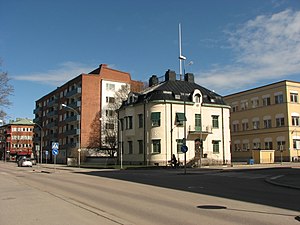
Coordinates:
[25,162]
[33,160]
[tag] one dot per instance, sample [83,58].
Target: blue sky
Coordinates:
[234,44]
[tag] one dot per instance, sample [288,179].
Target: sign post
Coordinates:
[184,149]
[55,152]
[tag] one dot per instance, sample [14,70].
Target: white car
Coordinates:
[26,162]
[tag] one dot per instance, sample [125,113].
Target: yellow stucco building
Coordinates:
[266,118]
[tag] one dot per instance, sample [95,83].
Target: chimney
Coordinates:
[103,66]
[153,81]
[170,75]
[189,77]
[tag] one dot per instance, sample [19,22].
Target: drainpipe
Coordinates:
[223,142]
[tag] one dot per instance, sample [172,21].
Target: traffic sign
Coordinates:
[184,148]
[54,152]
[55,145]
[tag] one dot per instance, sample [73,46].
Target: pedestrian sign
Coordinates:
[55,145]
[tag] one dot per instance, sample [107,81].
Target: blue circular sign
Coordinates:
[54,152]
[184,148]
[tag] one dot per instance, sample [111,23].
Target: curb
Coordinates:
[271,180]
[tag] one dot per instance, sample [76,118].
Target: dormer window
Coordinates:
[197,98]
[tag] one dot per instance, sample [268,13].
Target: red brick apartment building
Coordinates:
[73,113]
[16,139]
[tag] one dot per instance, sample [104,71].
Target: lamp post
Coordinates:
[121,144]
[41,145]
[77,113]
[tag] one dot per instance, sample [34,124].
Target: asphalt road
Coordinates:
[144,197]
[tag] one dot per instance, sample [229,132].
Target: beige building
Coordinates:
[266,118]
[172,113]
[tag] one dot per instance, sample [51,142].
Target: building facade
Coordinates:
[72,114]
[266,118]
[168,115]
[16,139]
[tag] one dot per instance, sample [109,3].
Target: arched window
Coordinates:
[197,98]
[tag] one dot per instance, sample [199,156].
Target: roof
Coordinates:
[21,121]
[178,90]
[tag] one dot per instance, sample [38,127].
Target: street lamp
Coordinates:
[77,113]
[41,145]
[121,144]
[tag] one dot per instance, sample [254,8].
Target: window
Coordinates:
[245,126]
[156,146]
[295,120]
[197,98]
[266,101]
[109,113]
[255,103]
[215,121]
[141,121]
[244,105]
[235,127]
[296,144]
[256,145]
[141,146]
[155,119]
[179,144]
[279,99]
[110,87]
[235,108]
[245,147]
[110,100]
[280,145]
[294,97]
[128,123]
[216,147]
[130,147]
[268,145]
[109,126]
[267,123]
[255,125]
[237,147]
[180,118]
[198,122]
[279,122]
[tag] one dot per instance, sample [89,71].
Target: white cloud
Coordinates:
[267,47]
[56,77]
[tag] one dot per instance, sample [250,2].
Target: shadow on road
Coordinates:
[242,185]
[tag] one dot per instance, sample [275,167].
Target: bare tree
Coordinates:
[106,125]
[5,91]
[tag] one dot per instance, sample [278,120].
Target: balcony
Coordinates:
[200,129]
[52,113]
[75,105]
[74,92]
[52,102]
[72,132]
[37,120]
[37,110]
[50,125]
[73,118]
[70,145]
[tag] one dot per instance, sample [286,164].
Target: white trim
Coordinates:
[280,138]
[294,114]
[268,139]
[255,119]
[280,115]
[266,117]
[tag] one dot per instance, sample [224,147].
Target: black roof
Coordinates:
[177,90]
